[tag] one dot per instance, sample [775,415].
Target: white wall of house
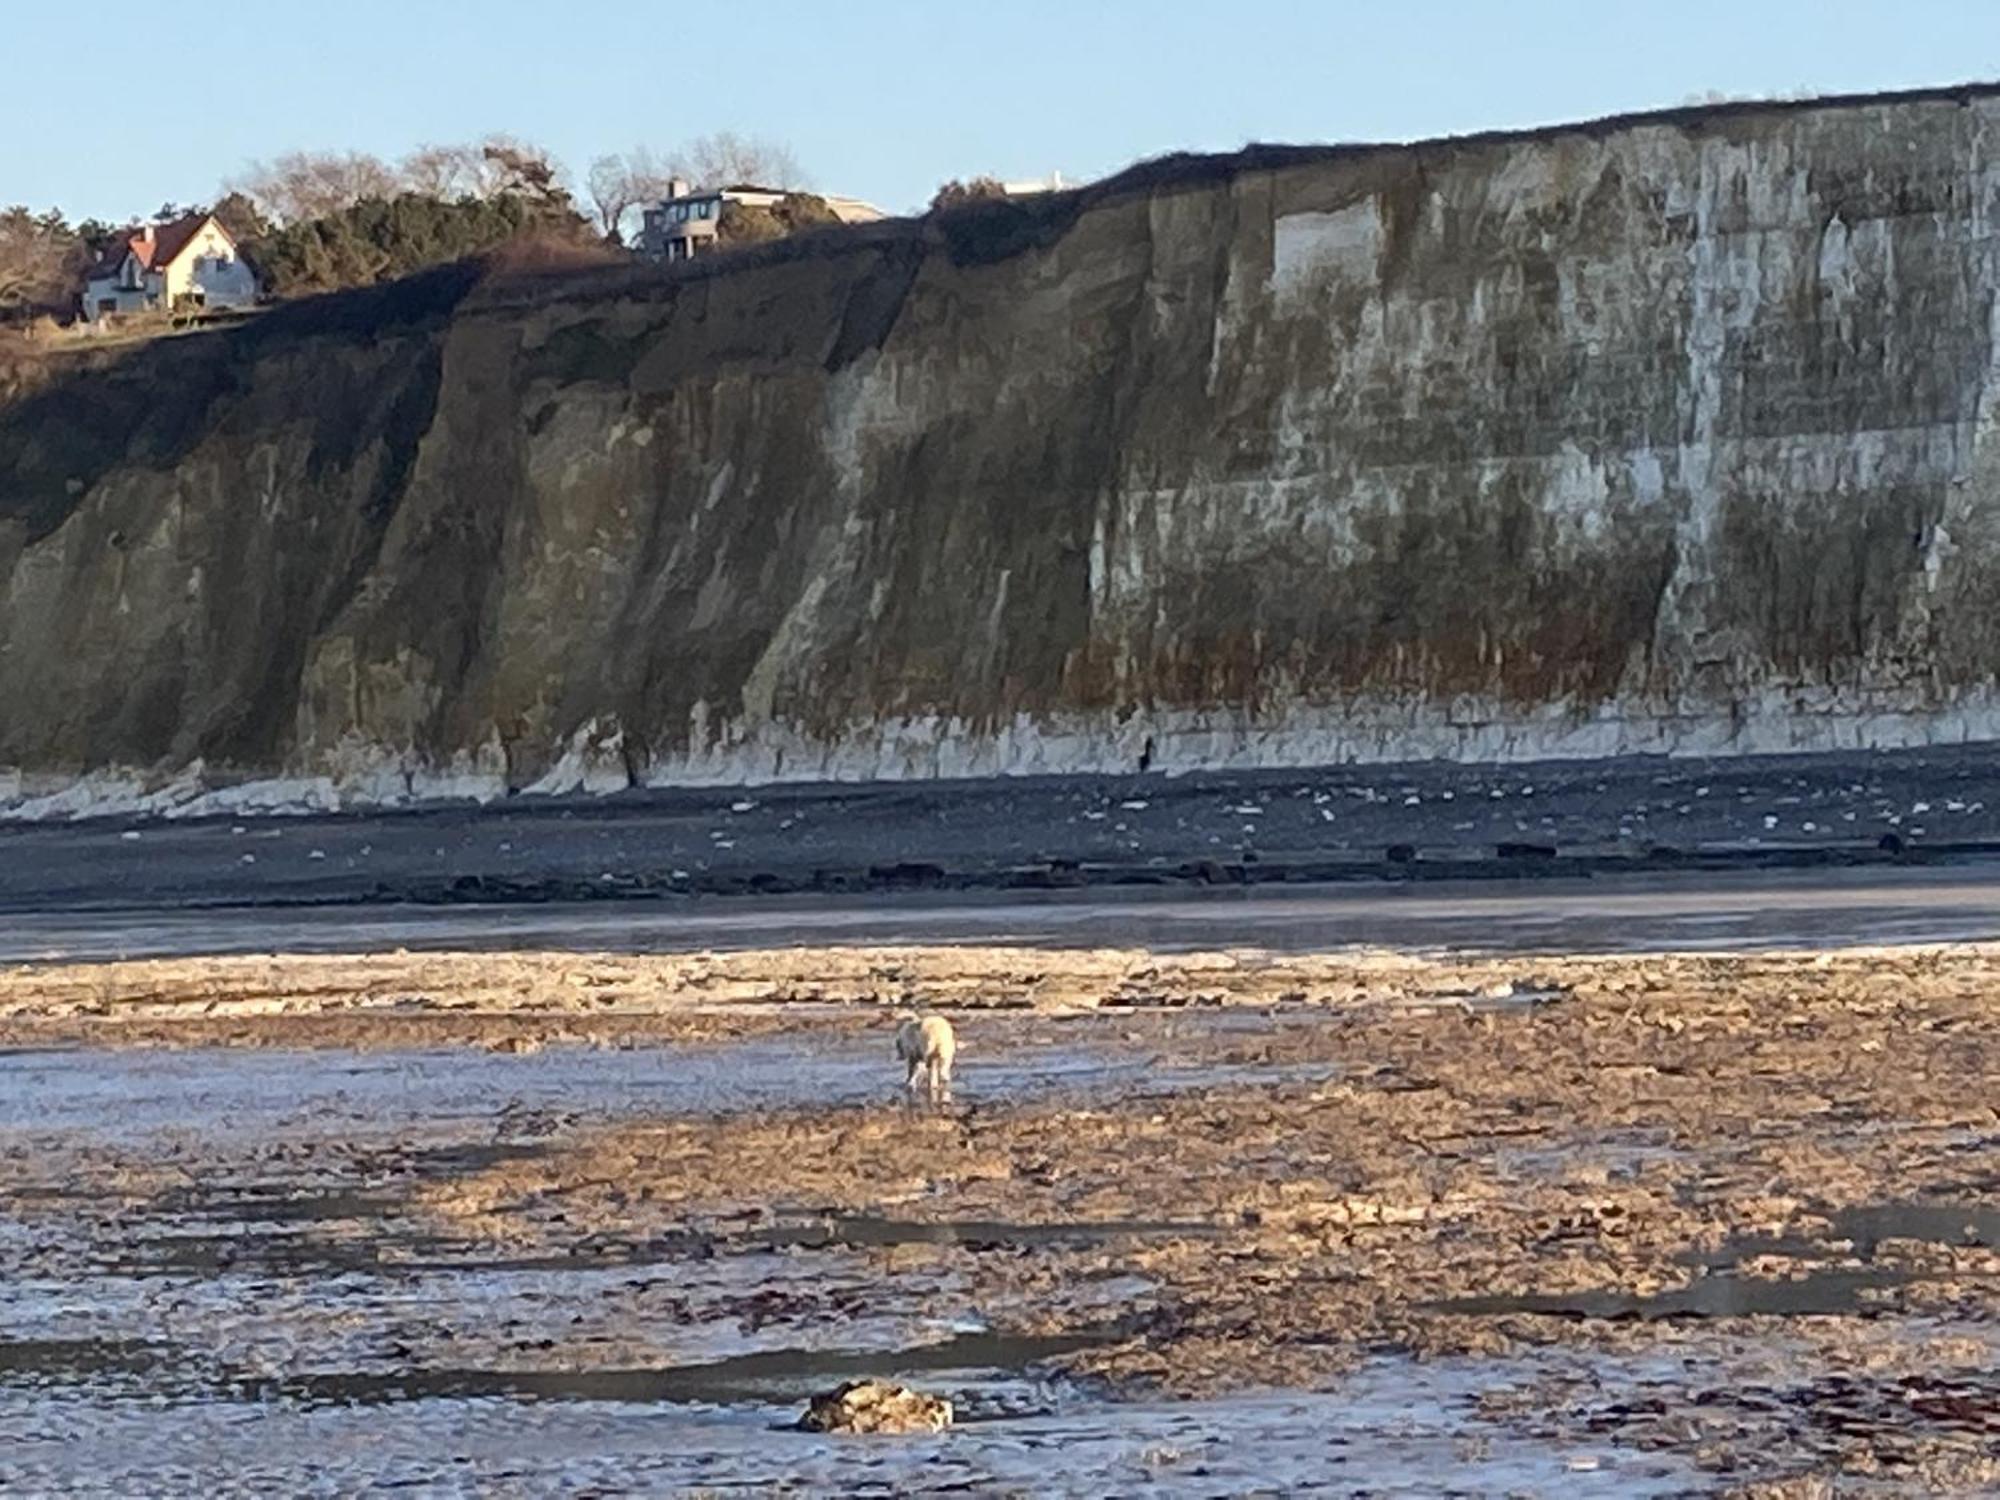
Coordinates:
[210,267]
[681,227]
[127,290]
[686,226]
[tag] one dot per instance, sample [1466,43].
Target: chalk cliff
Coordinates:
[1671,433]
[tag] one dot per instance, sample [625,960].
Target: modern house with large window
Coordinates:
[685,223]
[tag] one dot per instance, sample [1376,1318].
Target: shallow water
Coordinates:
[861,1230]
[1868,1226]
[1393,1427]
[1838,1273]
[1820,1293]
[276,1293]
[133,1095]
[283,1322]
[1658,909]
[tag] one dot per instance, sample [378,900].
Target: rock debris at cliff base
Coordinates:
[1719,1217]
[1125,832]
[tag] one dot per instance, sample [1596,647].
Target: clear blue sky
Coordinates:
[111,115]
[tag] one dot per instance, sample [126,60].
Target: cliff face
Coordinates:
[1663,434]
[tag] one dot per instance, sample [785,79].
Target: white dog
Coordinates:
[927,1046]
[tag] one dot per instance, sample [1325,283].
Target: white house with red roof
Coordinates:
[186,262]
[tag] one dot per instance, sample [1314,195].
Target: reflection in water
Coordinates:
[52,1361]
[1394,1427]
[1827,1286]
[776,1374]
[1725,1295]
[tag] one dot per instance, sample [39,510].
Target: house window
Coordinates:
[681,212]
[705,208]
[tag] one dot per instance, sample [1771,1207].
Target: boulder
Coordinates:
[875,1406]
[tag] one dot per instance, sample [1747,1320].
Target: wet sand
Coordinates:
[1660,910]
[1592,1224]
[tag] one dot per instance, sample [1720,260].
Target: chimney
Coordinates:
[677,187]
[146,234]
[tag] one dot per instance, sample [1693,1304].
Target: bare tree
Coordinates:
[520,169]
[726,159]
[303,185]
[620,184]
[482,169]
[447,172]
[38,254]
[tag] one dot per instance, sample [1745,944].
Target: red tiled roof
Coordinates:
[170,239]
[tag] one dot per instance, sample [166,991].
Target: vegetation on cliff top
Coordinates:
[323,221]
[311,222]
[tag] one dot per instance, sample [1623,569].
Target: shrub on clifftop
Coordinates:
[751,224]
[956,194]
[379,239]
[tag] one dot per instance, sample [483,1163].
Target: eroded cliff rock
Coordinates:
[1670,433]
